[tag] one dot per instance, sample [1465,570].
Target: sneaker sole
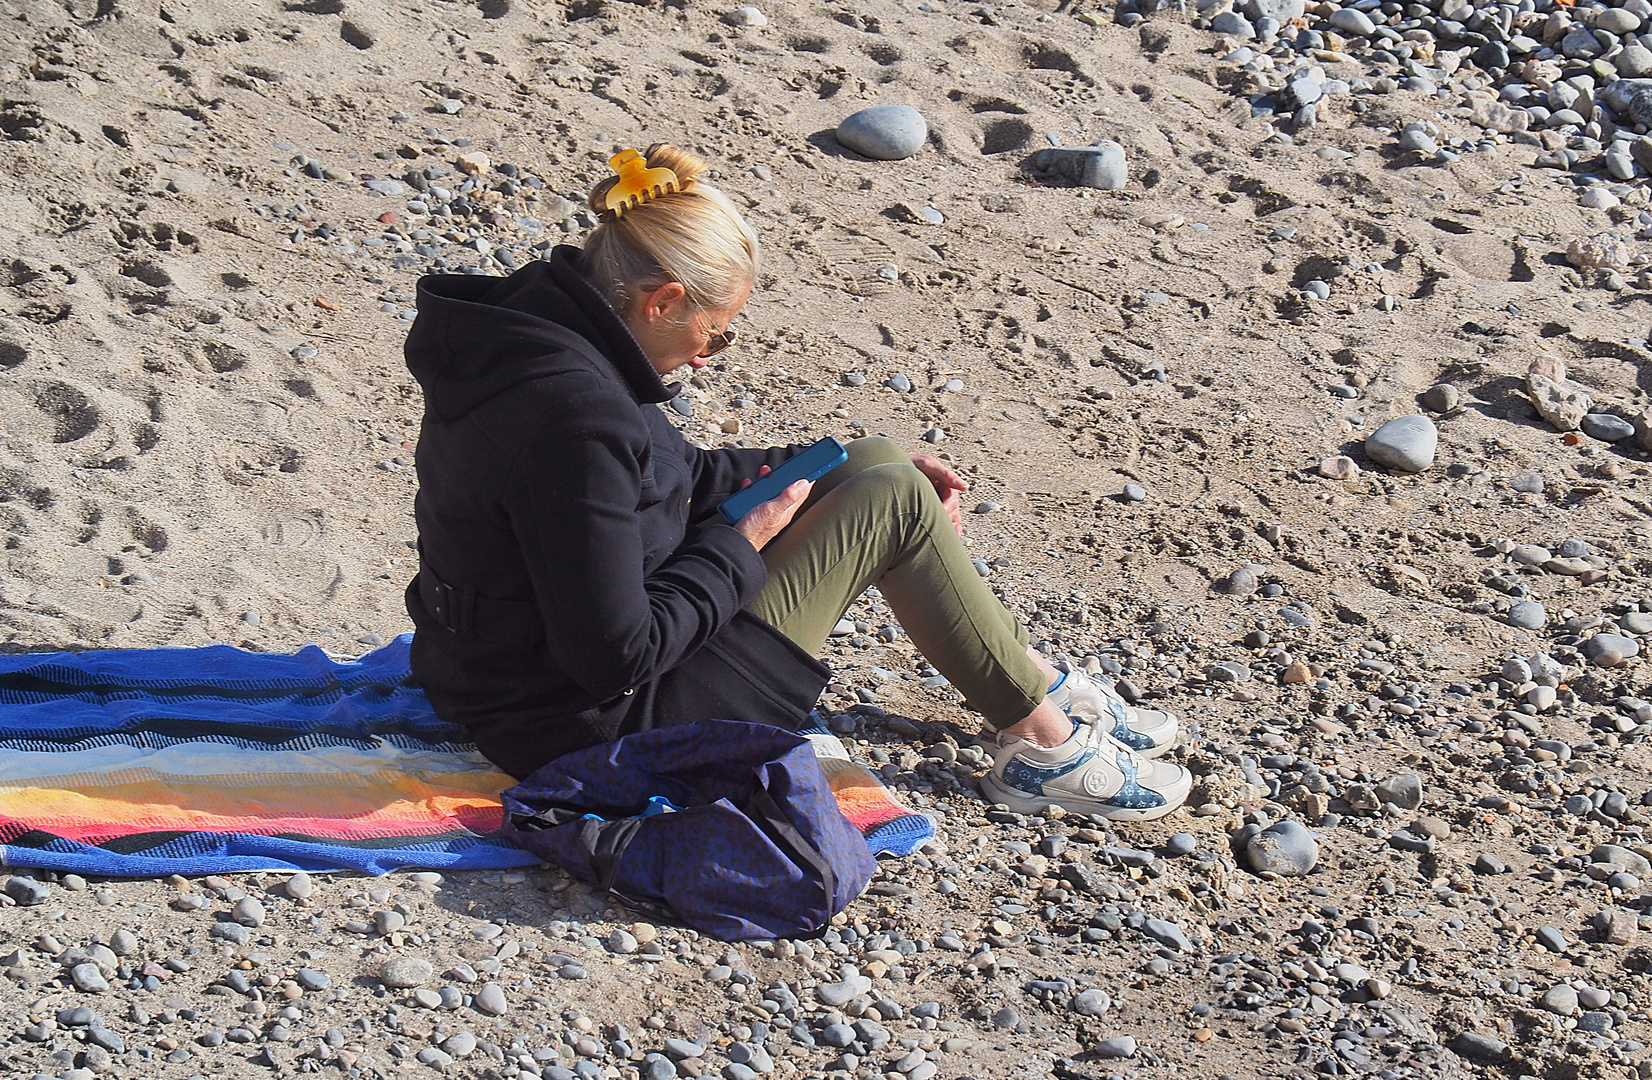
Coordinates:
[1025,804]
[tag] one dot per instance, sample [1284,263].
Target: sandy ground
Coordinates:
[207,434]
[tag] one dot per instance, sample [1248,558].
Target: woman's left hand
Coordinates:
[948,485]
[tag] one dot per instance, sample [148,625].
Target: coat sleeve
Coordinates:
[573,505]
[718,473]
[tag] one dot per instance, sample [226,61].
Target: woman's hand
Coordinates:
[765,520]
[948,485]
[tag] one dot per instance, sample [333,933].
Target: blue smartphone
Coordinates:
[811,464]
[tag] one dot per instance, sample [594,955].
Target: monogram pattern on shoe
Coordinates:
[1132,796]
[1023,775]
[1135,740]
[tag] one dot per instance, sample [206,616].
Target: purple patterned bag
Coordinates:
[731,827]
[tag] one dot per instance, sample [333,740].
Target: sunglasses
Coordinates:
[716,343]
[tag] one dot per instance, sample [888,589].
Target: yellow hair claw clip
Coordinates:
[637,182]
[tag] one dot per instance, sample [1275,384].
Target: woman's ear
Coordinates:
[662,302]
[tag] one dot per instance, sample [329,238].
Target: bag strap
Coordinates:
[762,809]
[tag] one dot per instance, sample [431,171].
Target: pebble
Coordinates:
[1528,615]
[884,132]
[248,912]
[1551,939]
[299,886]
[1340,467]
[1607,427]
[1181,844]
[1101,166]
[27,891]
[490,999]
[1404,791]
[1091,1002]
[1134,493]
[1472,1044]
[1406,443]
[1626,648]
[1441,398]
[1120,1046]
[1527,483]
[405,972]
[87,977]
[1285,848]
[1560,1000]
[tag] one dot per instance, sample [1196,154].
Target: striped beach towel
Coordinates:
[140,763]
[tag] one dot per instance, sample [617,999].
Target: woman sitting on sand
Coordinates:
[577,585]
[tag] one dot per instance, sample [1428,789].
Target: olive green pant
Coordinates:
[876,520]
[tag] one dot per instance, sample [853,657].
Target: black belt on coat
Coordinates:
[460,611]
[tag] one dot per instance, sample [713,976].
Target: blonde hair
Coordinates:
[693,236]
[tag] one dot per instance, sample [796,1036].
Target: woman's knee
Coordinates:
[872,451]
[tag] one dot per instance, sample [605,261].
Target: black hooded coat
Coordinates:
[571,589]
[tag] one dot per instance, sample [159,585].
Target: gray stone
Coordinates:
[460,1044]
[87,977]
[682,1049]
[1617,21]
[248,912]
[1350,21]
[1441,398]
[1240,583]
[386,187]
[884,132]
[1404,791]
[311,979]
[1472,1044]
[1228,671]
[232,932]
[1606,427]
[1527,483]
[1528,615]
[1167,933]
[405,972]
[27,891]
[490,999]
[1634,62]
[1559,999]
[1122,1046]
[1579,44]
[1285,848]
[1134,493]
[835,994]
[622,942]
[1551,939]
[1636,622]
[1091,1002]
[1181,844]
[1233,24]
[1101,165]
[1406,443]
[1626,647]
[1280,11]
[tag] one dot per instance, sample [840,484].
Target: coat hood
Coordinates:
[477,336]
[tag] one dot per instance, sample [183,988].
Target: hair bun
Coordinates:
[686,164]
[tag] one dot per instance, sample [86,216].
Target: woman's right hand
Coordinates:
[765,520]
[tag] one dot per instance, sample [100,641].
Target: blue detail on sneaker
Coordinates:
[1023,775]
[1131,795]
[1122,731]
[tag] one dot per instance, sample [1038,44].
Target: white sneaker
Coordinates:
[1091,773]
[1149,732]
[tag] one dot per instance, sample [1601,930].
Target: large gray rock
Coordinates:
[1234,25]
[1580,44]
[884,132]
[1350,21]
[1606,427]
[1100,166]
[1285,848]
[1280,11]
[1406,443]
[1634,62]
[1617,21]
